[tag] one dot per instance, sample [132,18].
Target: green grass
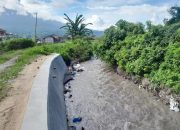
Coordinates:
[8,55]
[68,51]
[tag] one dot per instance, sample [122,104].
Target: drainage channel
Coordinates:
[99,99]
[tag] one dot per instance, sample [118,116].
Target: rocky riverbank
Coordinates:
[161,93]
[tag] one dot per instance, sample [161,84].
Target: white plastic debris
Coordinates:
[173,104]
[140,86]
[78,67]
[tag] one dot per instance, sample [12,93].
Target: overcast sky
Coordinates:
[102,13]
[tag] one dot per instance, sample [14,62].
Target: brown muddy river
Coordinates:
[106,101]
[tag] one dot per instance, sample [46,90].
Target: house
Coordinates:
[52,39]
[3,34]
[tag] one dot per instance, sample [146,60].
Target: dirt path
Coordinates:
[7,63]
[13,106]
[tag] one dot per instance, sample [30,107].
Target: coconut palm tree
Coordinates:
[76,28]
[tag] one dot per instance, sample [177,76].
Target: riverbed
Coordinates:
[107,101]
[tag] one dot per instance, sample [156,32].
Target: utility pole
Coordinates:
[35,35]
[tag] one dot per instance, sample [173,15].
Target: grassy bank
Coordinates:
[8,55]
[70,51]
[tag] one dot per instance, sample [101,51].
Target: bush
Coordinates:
[169,71]
[154,53]
[80,53]
[14,44]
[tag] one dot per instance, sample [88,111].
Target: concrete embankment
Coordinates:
[46,107]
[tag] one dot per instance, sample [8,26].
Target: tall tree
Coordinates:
[175,15]
[76,28]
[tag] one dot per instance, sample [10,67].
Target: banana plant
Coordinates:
[76,28]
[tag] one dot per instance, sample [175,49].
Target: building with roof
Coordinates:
[53,39]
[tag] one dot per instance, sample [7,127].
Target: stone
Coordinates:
[72,128]
[162,94]
[66,91]
[140,86]
[168,92]
[145,82]
[70,96]
[174,105]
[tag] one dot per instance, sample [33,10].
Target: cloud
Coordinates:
[97,21]
[132,13]
[142,13]
[46,10]
[61,3]
[102,13]
[114,3]
[13,5]
[130,10]
[1,10]
[101,7]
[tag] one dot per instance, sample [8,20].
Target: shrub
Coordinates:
[169,70]
[154,53]
[14,44]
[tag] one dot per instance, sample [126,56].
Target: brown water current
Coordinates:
[106,101]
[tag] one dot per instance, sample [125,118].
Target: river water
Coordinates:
[106,101]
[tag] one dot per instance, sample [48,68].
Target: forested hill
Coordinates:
[151,51]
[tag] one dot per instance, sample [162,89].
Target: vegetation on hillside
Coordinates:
[76,50]
[15,44]
[151,51]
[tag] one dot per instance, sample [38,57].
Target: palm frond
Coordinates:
[77,27]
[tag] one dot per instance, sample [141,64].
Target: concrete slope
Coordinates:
[46,107]
[57,119]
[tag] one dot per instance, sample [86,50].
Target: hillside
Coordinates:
[23,25]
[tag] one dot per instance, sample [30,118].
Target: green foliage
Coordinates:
[21,43]
[70,52]
[2,47]
[153,52]
[81,45]
[169,70]
[175,15]
[10,54]
[77,28]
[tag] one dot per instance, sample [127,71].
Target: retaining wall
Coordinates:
[46,106]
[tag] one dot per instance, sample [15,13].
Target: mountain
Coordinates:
[98,33]
[24,25]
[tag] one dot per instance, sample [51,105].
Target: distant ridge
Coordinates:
[23,25]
